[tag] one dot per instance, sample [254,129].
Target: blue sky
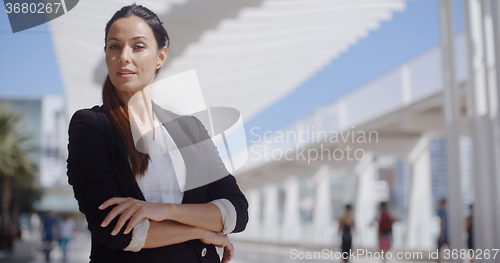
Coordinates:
[28,67]
[408,34]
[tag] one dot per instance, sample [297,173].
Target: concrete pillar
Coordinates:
[322,206]
[291,231]
[480,104]
[495,108]
[270,224]
[451,114]
[254,226]
[366,202]
[420,205]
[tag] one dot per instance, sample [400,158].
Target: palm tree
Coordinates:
[14,160]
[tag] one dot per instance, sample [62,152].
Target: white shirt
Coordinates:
[160,184]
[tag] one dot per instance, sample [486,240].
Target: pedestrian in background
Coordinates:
[49,222]
[468,228]
[385,221]
[346,227]
[66,227]
[443,233]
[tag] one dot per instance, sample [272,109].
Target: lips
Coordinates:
[125,73]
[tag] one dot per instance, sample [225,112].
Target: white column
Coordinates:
[480,99]
[420,205]
[322,207]
[253,229]
[270,224]
[366,202]
[495,109]
[291,230]
[451,115]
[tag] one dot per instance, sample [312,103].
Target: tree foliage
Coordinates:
[17,175]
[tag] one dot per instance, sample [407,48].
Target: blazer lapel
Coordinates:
[182,141]
[121,147]
[185,145]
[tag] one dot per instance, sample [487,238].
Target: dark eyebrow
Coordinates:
[117,39]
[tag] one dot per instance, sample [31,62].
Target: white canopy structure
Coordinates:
[248,54]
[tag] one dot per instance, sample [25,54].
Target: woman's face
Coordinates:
[132,56]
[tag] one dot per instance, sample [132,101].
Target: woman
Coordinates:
[385,221]
[346,226]
[132,197]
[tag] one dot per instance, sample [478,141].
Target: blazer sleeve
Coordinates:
[225,187]
[90,173]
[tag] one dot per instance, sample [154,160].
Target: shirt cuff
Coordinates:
[139,234]
[228,213]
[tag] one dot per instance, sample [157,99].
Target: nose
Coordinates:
[125,55]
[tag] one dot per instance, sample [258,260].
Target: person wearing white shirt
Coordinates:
[66,226]
[175,205]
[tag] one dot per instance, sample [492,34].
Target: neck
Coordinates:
[140,105]
[141,113]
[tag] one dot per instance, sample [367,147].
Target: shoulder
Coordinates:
[88,113]
[91,116]
[90,121]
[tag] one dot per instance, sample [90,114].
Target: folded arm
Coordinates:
[224,189]
[89,172]
[166,233]
[169,232]
[206,216]
[213,216]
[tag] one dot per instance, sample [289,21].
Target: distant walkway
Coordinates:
[78,250]
[245,252]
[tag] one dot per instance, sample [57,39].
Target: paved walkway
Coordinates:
[78,252]
[265,253]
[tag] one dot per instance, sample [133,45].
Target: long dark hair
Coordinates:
[116,110]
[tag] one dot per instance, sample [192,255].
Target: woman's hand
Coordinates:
[222,241]
[132,208]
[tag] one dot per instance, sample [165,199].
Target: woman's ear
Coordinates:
[162,56]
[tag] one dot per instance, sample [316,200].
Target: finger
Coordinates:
[231,251]
[225,256]
[228,253]
[115,212]
[134,220]
[123,219]
[113,201]
[107,203]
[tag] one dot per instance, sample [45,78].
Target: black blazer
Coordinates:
[98,169]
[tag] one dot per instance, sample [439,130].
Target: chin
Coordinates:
[128,89]
[123,85]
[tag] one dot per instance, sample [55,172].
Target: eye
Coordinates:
[113,47]
[139,47]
